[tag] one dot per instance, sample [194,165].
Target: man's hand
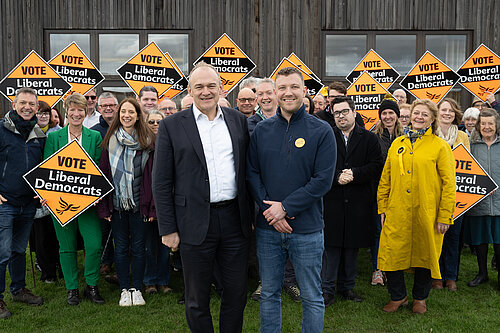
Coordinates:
[2,199]
[346,177]
[490,98]
[171,240]
[274,213]
[282,226]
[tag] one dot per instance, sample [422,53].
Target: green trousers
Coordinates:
[90,228]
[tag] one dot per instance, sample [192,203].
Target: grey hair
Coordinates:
[264,80]
[25,90]
[106,95]
[471,113]
[152,112]
[249,81]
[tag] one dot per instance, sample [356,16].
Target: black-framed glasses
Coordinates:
[247,100]
[43,114]
[170,108]
[91,97]
[343,112]
[105,106]
[152,122]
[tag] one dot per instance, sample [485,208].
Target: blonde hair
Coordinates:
[432,107]
[76,99]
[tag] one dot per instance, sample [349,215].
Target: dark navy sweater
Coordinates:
[292,163]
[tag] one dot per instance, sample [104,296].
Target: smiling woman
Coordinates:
[88,223]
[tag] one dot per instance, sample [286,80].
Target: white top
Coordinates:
[79,138]
[218,149]
[91,120]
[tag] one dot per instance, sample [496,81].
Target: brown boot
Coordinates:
[392,306]
[451,285]
[437,284]
[419,306]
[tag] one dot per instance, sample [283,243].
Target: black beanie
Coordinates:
[388,103]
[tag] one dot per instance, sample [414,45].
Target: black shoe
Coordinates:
[26,296]
[92,293]
[112,278]
[328,299]
[350,296]
[479,279]
[73,297]
[181,300]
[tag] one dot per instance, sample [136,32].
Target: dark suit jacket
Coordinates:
[181,186]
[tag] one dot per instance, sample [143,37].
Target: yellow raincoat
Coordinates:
[416,191]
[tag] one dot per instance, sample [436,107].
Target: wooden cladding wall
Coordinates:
[267,30]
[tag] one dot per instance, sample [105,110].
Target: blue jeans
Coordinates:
[15,227]
[128,232]
[305,252]
[157,257]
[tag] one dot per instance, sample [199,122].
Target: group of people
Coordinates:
[293,184]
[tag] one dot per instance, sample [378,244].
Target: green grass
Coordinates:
[468,310]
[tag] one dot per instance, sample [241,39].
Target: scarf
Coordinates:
[451,137]
[414,135]
[24,127]
[122,148]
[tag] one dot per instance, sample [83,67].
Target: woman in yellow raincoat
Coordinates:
[416,200]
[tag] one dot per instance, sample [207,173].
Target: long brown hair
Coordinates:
[145,136]
[455,107]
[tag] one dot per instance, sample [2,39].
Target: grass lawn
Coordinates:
[468,310]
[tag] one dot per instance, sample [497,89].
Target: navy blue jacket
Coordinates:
[17,157]
[293,163]
[101,127]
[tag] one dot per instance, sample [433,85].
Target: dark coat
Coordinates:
[349,209]
[181,186]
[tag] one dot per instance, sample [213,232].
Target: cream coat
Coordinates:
[415,199]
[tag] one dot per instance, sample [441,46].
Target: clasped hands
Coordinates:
[275,216]
[346,177]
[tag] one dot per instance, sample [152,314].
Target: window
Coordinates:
[401,49]
[109,49]
[115,50]
[398,50]
[176,45]
[59,42]
[451,49]
[343,53]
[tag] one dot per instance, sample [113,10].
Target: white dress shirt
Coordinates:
[218,150]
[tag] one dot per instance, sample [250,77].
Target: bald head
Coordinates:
[400,96]
[246,101]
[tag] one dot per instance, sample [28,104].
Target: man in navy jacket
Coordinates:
[290,165]
[21,149]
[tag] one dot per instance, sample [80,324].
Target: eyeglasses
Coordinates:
[105,106]
[344,112]
[152,122]
[43,114]
[170,108]
[91,97]
[246,100]
[404,117]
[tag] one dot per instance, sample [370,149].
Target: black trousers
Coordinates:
[340,264]
[421,284]
[46,246]
[225,244]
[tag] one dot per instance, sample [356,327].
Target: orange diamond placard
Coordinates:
[149,67]
[481,72]
[313,86]
[300,64]
[377,67]
[430,78]
[70,181]
[473,183]
[76,68]
[367,95]
[229,60]
[179,86]
[34,72]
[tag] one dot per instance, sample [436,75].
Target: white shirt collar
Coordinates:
[197,113]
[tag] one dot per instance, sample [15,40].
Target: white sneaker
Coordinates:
[137,298]
[125,298]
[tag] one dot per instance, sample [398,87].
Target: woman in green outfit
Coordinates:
[87,223]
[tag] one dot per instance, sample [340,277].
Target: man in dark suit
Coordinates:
[201,199]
